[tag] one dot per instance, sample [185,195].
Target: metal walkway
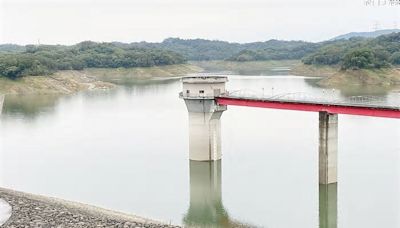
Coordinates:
[358,105]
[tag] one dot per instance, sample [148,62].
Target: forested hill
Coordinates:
[372,34]
[358,53]
[200,49]
[17,61]
[274,50]
[9,48]
[196,49]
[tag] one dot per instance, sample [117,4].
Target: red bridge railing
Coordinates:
[358,105]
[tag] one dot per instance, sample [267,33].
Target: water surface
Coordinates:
[127,149]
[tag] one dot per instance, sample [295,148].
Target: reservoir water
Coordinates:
[127,149]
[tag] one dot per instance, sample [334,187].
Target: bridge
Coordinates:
[357,105]
[206,99]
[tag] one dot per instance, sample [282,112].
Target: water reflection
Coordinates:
[32,106]
[206,208]
[206,205]
[29,106]
[356,90]
[1,103]
[126,129]
[328,205]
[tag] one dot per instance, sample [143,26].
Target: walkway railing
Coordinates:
[327,98]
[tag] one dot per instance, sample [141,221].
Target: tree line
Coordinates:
[200,49]
[358,53]
[354,53]
[46,59]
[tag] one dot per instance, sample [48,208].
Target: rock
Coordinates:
[28,211]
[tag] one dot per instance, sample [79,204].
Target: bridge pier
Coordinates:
[204,116]
[328,146]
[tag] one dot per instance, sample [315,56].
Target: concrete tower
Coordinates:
[204,116]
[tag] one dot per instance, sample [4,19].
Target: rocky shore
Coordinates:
[73,81]
[43,212]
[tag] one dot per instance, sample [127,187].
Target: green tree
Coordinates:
[395,58]
[358,59]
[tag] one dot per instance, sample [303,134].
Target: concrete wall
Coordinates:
[204,116]
[194,90]
[206,86]
[205,136]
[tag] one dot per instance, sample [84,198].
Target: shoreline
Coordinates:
[333,76]
[72,81]
[29,210]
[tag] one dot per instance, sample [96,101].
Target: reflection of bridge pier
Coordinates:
[328,205]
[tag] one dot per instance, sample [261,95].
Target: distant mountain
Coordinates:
[11,48]
[373,34]
[201,49]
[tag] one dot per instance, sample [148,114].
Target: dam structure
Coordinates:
[199,94]
[206,99]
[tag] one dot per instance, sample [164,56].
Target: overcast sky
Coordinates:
[71,21]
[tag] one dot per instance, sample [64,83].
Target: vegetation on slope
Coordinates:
[47,59]
[372,34]
[358,53]
[354,53]
[200,49]
[274,50]
[195,49]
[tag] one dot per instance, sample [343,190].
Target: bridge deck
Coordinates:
[312,106]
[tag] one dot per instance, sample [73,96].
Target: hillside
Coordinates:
[9,48]
[47,59]
[200,49]
[274,50]
[354,53]
[18,61]
[358,53]
[373,34]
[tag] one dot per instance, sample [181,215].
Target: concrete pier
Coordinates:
[328,205]
[328,146]
[204,116]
